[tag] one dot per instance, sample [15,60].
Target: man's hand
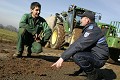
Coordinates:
[58,63]
[37,38]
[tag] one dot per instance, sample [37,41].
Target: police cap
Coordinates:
[89,14]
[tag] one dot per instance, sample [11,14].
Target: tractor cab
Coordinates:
[73,16]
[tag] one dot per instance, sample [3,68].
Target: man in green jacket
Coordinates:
[34,32]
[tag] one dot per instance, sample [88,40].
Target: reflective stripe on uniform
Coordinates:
[101,40]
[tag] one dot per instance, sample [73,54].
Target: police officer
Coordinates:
[33,31]
[90,51]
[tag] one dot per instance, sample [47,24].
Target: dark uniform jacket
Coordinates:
[92,40]
[35,26]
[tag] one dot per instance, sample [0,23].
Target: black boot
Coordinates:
[79,72]
[92,75]
[76,73]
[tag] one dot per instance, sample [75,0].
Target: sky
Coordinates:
[11,11]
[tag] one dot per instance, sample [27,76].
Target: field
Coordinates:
[38,67]
[8,36]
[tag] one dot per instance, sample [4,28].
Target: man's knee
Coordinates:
[80,60]
[36,47]
[77,58]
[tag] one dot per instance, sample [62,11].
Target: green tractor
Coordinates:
[112,32]
[66,28]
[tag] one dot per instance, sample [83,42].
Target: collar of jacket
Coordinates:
[30,16]
[87,26]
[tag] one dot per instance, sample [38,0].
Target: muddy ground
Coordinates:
[38,66]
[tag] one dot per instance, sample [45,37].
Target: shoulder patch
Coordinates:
[90,27]
[86,34]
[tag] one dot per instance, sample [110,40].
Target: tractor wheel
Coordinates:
[75,35]
[114,55]
[58,37]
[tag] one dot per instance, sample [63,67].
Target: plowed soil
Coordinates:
[38,67]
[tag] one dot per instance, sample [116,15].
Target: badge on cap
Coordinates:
[86,34]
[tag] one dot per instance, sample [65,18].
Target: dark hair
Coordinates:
[35,4]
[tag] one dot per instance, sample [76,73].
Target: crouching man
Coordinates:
[33,31]
[90,51]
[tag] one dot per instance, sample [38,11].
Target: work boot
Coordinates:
[17,54]
[92,75]
[79,72]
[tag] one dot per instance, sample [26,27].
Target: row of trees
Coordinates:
[8,27]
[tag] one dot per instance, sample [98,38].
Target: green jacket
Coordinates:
[38,26]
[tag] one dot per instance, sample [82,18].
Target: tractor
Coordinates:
[66,27]
[112,33]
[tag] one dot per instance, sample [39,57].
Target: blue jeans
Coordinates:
[88,61]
